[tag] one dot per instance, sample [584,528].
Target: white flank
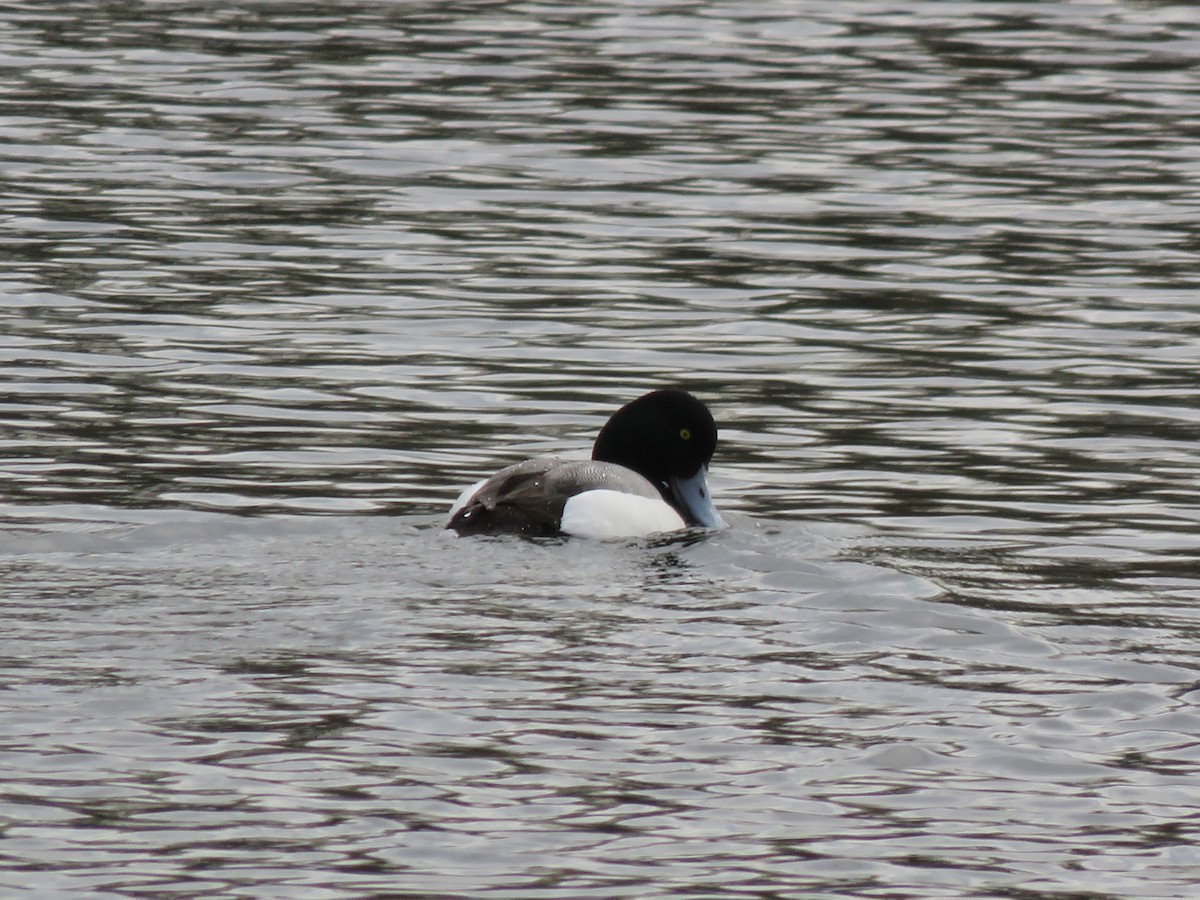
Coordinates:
[464,497]
[613,514]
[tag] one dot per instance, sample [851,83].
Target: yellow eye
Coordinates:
[685,434]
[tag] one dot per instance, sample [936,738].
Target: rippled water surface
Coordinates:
[279,278]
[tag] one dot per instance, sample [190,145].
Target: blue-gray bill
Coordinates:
[694,497]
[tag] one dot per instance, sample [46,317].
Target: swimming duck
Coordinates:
[646,475]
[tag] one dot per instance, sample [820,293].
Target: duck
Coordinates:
[647,475]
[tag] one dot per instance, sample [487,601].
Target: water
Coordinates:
[279,279]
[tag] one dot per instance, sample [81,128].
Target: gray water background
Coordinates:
[280,278]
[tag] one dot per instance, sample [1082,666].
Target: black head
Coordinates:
[662,435]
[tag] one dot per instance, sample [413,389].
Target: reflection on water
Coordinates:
[933,267]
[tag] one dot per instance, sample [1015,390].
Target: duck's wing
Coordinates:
[513,501]
[528,498]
